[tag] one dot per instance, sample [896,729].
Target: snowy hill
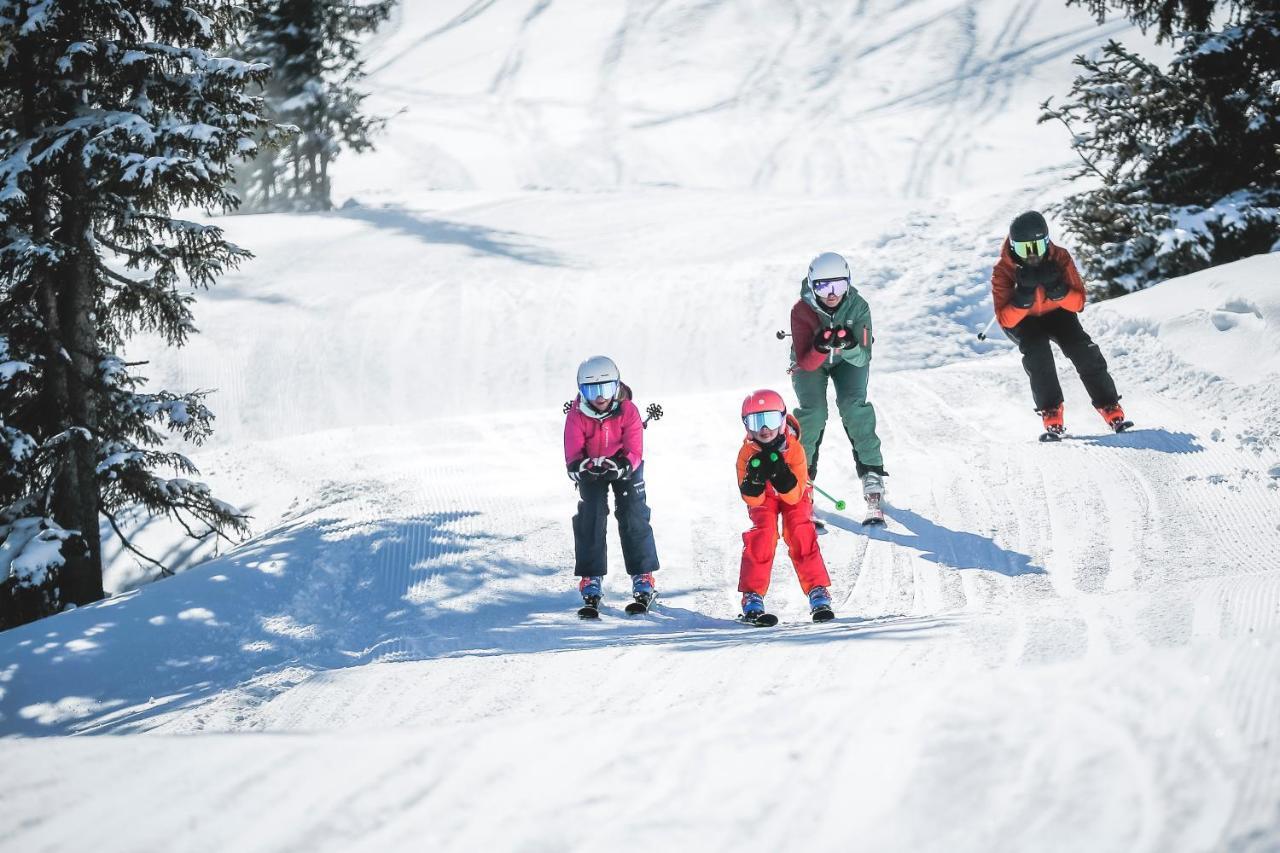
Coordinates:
[1062,647]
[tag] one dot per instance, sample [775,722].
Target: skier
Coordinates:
[772,475]
[1038,295]
[831,338]
[603,449]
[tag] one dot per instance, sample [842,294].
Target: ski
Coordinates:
[642,604]
[823,613]
[820,527]
[1050,436]
[590,609]
[1122,426]
[764,620]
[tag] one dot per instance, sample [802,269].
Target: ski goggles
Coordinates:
[1026,248]
[596,390]
[831,286]
[757,421]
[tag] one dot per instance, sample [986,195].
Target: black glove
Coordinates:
[825,339]
[1056,289]
[617,467]
[845,338]
[1024,289]
[577,469]
[783,478]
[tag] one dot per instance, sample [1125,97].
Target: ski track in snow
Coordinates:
[1050,647]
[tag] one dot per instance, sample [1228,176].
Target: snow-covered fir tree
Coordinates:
[313,48]
[113,118]
[1183,159]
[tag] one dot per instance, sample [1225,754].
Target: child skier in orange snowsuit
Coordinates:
[773,479]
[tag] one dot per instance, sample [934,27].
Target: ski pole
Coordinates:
[982,336]
[840,505]
[782,335]
[654,411]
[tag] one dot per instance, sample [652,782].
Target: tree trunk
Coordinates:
[76,498]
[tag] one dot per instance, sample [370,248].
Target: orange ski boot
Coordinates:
[1053,423]
[1114,416]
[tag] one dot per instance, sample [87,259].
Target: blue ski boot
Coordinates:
[643,592]
[590,589]
[753,611]
[820,604]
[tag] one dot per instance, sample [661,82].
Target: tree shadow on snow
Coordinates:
[319,593]
[484,241]
[955,549]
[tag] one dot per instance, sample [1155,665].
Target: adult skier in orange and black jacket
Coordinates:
[1038,296]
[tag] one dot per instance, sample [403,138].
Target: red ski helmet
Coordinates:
[763,400]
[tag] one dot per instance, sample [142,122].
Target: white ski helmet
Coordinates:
[598,368]
[828,265]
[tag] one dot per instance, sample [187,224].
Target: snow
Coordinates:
[1048,647]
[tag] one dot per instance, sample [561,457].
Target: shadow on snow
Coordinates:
[320,593]
[955,549]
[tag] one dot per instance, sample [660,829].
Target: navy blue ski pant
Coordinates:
[638,550]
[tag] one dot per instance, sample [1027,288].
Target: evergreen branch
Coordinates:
[124,540]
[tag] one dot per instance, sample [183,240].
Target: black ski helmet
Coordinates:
[1029,226]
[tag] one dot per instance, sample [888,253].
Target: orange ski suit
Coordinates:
[760,543]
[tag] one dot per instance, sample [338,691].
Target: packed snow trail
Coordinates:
[1073,646]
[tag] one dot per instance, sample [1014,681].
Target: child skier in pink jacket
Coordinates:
[603,449]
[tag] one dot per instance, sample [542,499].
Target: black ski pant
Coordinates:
[1033,335]
[632,511]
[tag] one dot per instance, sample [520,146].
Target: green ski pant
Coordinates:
[857,415]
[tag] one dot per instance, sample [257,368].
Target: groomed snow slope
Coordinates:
[1049,647]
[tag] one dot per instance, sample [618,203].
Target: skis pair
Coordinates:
[644,601]
[1050,435]
[822,613]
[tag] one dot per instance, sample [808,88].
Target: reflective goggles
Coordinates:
[830,286]
[1026,248]
[757,421]
[595,390]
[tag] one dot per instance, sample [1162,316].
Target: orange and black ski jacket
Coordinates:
[1004,278]
[792,454]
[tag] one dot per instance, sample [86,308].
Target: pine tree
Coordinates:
[1184,158]
[1167,16]
[112,116]
[313,48]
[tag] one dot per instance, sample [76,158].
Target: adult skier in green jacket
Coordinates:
[831,339]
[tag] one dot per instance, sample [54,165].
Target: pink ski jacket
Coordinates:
[591,436]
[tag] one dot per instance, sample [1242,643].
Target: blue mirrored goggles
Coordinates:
[1026,248]
[757,421]
[829,286]
[595,390]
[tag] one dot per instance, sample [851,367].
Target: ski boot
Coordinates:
[590,589]
[1114,416]
[1054,427]
[873,494]
[644,593]
[753,611]
[820,604]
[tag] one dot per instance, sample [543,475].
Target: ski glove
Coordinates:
[617,467]
[783,479]
[578,469]
[845,338]
[1057,289]
[825,339]
[1024,291]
